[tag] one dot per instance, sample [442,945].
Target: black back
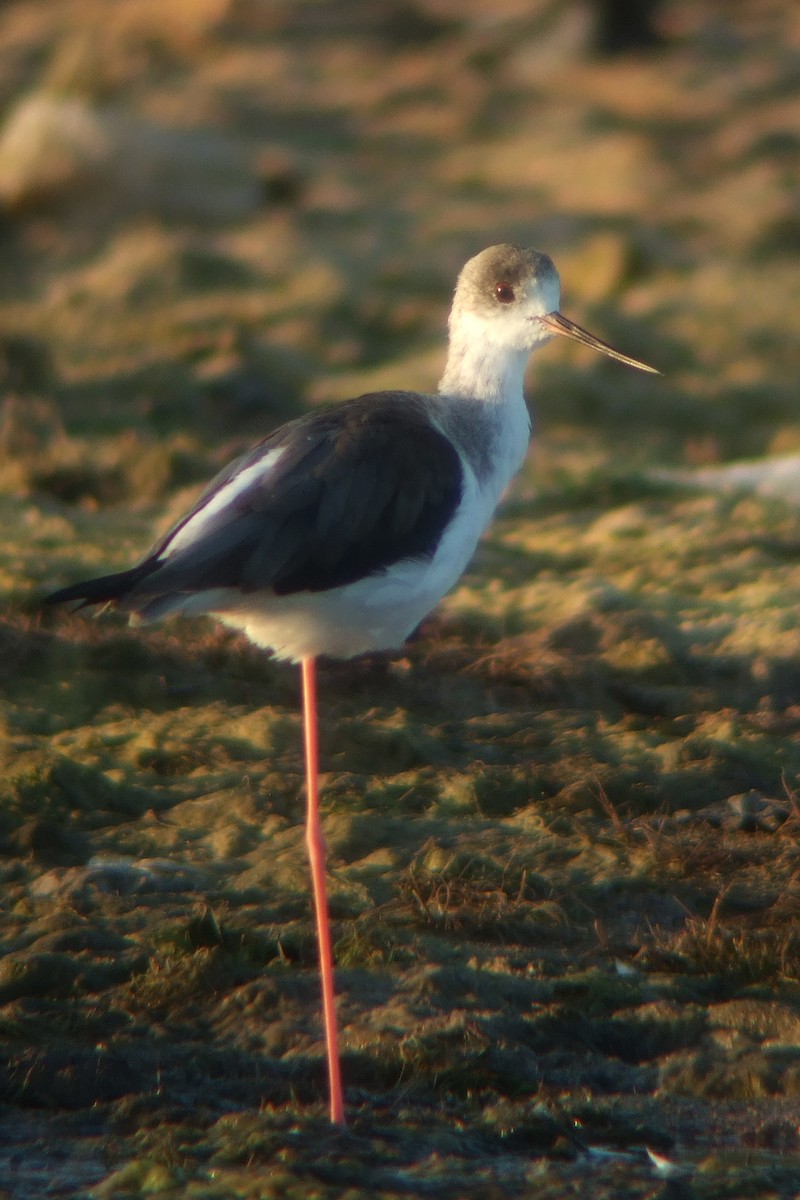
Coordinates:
[356,488]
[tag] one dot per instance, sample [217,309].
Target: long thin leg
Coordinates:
[316,855]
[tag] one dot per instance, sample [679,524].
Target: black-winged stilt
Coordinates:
[340,531]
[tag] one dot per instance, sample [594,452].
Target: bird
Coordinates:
[340,531]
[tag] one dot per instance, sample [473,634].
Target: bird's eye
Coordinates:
[504,292]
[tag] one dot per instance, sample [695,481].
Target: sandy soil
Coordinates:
[563,825]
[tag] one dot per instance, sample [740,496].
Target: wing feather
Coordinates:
[322,502]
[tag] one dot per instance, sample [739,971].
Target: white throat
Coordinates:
[480,366]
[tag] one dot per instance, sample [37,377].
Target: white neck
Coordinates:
[480,368]
[482,404]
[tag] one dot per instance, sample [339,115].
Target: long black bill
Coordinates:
[554,322]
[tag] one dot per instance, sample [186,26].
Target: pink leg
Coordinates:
[316,855]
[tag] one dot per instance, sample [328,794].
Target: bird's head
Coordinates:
[510,295]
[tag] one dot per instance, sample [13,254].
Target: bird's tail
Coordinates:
[108,589]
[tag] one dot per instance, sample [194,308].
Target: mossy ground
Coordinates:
[563,823]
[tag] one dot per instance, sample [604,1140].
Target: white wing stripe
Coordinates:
[194,528]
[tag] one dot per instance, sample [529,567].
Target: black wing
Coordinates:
[352,490]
